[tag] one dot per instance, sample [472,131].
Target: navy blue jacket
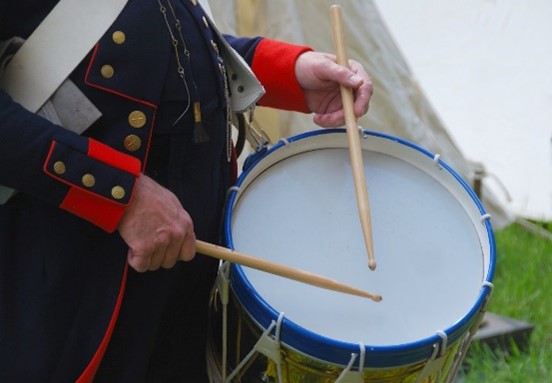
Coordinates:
[62,265]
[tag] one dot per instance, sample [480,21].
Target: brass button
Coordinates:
[107,71]
[205,22]
[194,2]
[118,192]
[132,142]
[88,180]
[59,167]
[137,119]
[118,37]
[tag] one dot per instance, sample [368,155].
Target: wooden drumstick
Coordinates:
[353,139]
[229,255]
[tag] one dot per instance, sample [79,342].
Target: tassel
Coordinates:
[200,134]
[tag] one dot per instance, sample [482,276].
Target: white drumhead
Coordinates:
[298,207]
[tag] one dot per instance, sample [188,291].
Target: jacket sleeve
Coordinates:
[76,173]
[273,62]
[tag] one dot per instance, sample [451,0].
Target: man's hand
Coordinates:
[321,77]
[156,228]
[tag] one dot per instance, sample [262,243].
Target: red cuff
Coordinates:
[94,208]
[103,212]
[274,66]
[101,203]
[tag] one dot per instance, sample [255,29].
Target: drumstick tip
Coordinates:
[372,264]
[373,297]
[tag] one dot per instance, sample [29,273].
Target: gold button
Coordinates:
[118,192]
[118,37]
[132,143]
[137,119]
[59,167]
[88,180]
[107,71]
[205,22]
[194,2]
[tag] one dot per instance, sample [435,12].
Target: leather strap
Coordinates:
[55,48]
[206,7]
[245,88]
[53,51]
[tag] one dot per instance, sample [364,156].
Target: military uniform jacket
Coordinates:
[62,263]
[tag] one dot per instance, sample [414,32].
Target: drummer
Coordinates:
[135,189]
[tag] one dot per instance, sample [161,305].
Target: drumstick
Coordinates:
[229,255]
[355,151]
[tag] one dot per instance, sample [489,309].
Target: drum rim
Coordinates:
[334,350]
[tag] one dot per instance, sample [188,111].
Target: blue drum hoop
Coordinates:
[336,351]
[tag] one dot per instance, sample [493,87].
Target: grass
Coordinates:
[523,291]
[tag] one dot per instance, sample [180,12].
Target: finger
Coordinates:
[330,120]
[363,92]
[188,249]
[140,264]
[172,254]
[357,79]
[363,95]
[157,258]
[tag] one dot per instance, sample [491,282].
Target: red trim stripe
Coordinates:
[108,89]
[89,372]
[114,158]
[125,96]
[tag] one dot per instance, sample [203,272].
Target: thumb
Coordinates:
[346,76]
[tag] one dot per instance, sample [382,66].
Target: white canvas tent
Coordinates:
[485,65]
[399,106]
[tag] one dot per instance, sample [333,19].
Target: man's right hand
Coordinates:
[156,228]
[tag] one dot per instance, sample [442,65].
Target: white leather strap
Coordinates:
[245,88]
[55,48]
[207,8]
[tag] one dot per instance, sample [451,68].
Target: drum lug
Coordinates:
[436,362]
[350,376]
[459,358]
[222,283]
[269,347]
[266,345]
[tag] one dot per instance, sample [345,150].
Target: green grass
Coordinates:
[523,291]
